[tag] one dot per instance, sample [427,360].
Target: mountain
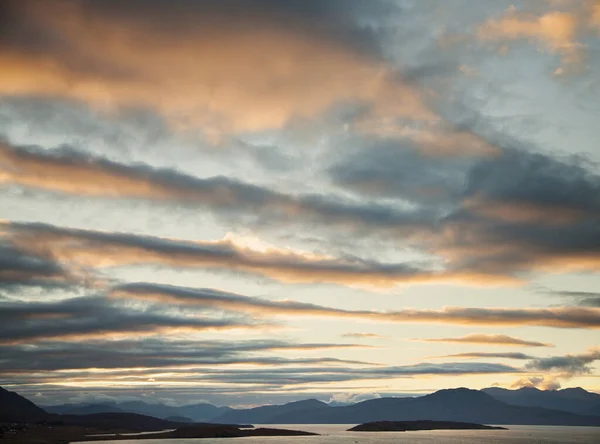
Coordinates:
[116,421]
[178,419]
[83,409]
[196,412]
[268,414]
[15,408]
[575,400]
[461,405]
[202,412]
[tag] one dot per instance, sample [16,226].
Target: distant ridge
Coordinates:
[459,405]
[268,414]
[574,400]
[201,412]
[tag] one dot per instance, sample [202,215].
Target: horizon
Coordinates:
[247,202]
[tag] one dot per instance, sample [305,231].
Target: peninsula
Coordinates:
[404,426]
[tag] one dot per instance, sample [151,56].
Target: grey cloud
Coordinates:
[334,20]
[158,354]
[526,177]
[569,364]
[119,249]
[97,316]
[20,269]
[300,376]
[581,298]
[524,211]
[337,21]
[399,168]
[94,176]
[563,317]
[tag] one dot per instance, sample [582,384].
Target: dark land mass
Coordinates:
[15,408]
[202,412]
[22,422]
[44,434]
[460,405]
[404,426]
[206,431]
[574,400]
[178,419]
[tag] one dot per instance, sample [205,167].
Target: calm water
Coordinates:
[336,434]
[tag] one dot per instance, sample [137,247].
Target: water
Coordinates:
[336,434]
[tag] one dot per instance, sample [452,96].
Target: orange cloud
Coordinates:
[526,212]
[555,32]
[82,249]
[563,317]
[246,73]
[490,340]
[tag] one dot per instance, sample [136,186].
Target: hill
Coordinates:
[15,408]
[268,414]
[575,400]
[202,412]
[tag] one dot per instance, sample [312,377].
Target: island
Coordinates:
[404,426]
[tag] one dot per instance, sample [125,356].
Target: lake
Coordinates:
[336,434]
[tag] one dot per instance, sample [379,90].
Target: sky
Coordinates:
[251,202]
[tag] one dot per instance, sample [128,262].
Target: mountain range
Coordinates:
[487,406]
[462,405]
[574,400]
[202,412]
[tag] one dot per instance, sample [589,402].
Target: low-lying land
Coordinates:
[38,433]
[404,426]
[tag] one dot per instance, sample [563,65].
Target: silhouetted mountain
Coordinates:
[116,421]
[15,408]
[461,405]
[202,412]
[575,400]
[268,414]
[83,409]
[178,419]
[196,412]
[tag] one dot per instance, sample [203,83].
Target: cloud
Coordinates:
[399,169]
[563,317]
[482,229]
[581,298]
[140,356]
[490,340]
[73,172]
[274,60]
[23,269]
[525,212]
[567,365]
[542,382]
[596,15]
[352,398]
[553,31]
[520,356]
[95,249]
[258,377]
[363,336]
[96,317]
